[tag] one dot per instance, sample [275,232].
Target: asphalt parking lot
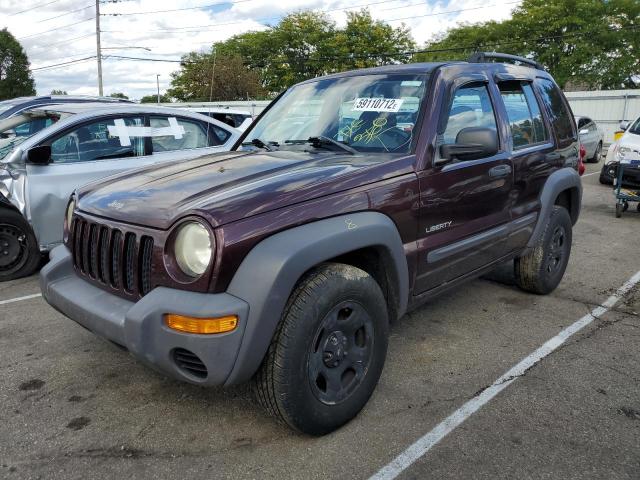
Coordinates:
[74,406]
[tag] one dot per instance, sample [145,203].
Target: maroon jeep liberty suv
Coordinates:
[352,199]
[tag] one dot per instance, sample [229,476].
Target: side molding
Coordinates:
[268,274]
[564,179]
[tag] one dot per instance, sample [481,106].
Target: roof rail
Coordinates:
[484,57]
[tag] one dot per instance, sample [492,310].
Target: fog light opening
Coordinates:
[204,326]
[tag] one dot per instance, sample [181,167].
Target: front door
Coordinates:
[465,205]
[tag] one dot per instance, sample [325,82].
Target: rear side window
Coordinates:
[523,112]
[558,109]
[193,134]
[95,141]
[471,107]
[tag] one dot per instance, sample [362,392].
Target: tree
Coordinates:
[593,43]
[15,74]
[119,95]
[164,98]
[305,45]
[211,76]
[58,92]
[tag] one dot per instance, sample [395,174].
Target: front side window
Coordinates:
[182,134]
[635,128]
[369,113]
[523,113]
[97,141]
[470,107]
[558,109]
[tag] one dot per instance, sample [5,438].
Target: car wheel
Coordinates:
[328,351]
[19,253]
[597,153]
[541,270]
[605,178]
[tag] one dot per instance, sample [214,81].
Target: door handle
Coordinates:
[500,171]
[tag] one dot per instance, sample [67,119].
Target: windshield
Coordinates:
[369,113]
[635,128]
[17,129]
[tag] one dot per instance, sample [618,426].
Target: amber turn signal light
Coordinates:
[201,325]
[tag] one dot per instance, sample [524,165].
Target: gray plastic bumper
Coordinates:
[139,326]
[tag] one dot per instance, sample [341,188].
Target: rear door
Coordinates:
[79,155]
[464,205]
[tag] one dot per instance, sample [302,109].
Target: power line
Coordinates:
[177,9]
[33,8]
[64,14]
[57,28]
[55,65]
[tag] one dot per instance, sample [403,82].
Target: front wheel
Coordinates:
[542,269]
[19,253]
[328,351]
[597,153]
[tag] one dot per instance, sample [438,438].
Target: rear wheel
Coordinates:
[328,351]
[542,269]
[19,253]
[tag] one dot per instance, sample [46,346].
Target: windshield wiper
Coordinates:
[256,142]
[322,141]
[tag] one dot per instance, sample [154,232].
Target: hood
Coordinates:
[228,186]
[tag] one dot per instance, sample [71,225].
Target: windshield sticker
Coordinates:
[377,104]
[124,132]
[373,132]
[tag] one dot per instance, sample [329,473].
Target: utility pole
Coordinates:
[158,85]
[98,49]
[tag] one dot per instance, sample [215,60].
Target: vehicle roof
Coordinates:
[88,107]
[65,98]
[205,108]
[429,67]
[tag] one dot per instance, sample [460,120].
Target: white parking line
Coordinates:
[19,299]
[589,174]
[428,441]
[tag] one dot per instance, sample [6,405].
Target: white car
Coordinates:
[238,119]
[625,149]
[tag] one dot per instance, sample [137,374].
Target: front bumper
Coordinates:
[139,326]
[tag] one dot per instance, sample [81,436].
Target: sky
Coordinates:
[58,31]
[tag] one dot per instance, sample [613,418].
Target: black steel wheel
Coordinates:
[541,270]
[328,351]
[19,254]
[341,352]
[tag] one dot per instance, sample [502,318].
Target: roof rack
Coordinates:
[485,57]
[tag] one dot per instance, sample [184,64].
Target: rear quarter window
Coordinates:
[558,110]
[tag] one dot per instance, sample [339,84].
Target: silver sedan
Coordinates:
[591,137]
[47,152]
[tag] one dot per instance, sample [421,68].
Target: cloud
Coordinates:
[169,35]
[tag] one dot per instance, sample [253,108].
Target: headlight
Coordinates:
[70,208]
[193,248]
[621,153]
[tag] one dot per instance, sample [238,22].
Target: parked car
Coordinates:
[285,260]
[627,146]
[14,106]
[236,118]
[79,143]
[592,137]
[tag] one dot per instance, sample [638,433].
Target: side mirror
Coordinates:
[40,155]
[471,143]
[584,131]
[624,126]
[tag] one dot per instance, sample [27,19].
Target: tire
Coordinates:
[328,350]
[604,178]
[542,269]
[596,154]
[19,252]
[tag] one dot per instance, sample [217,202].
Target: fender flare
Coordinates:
[564,179]
[269,273]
